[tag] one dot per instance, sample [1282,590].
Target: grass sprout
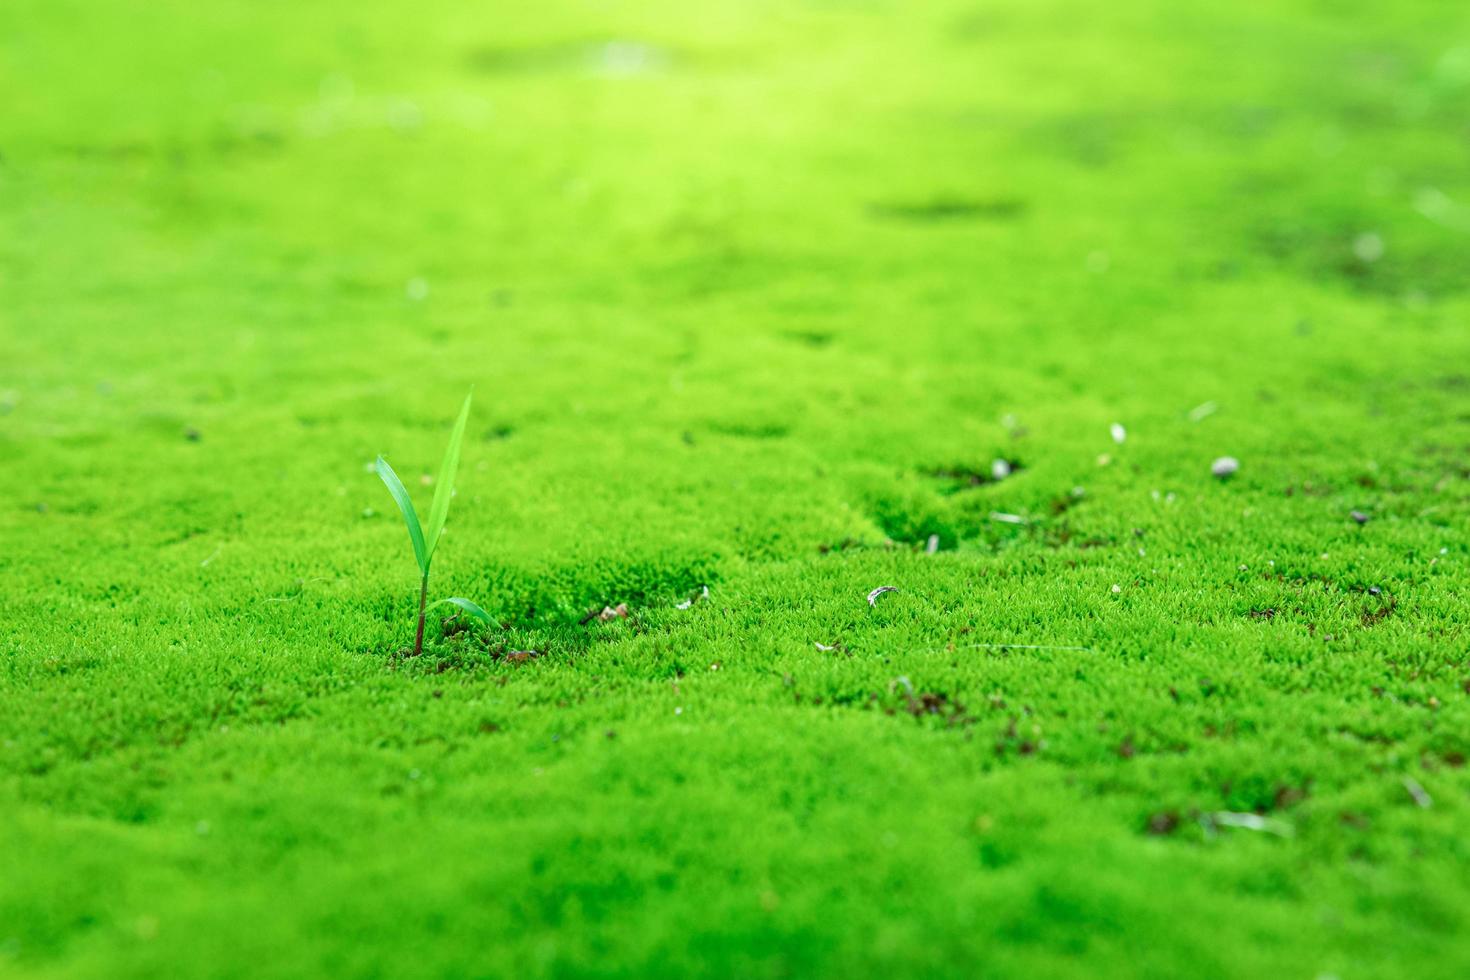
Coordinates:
[424,544]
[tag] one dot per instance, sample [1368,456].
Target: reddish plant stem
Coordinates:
[418,641]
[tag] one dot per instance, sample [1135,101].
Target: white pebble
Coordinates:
[1119,433]
[1224,466]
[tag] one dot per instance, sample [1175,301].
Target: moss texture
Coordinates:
[753,296]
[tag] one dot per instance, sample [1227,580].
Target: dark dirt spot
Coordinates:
[964,477]
[1286,797]
[1126,749]
[1062,536]
[812,338]
[1011,738]
[488,728]
[751,430]
[193,435]
[498,432]
[1309,489]
[937,704]
[1163,823]
[947,208]
[1267,614]
[1353,256]
[1372,617]
[1062,503]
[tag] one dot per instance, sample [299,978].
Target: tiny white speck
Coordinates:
[1119,433]
[1203,411]
[1368,247]
[1117,589]
[679,710]
[1225,466]
[1000,469]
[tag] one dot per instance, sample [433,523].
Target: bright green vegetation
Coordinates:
[752,296]
[424,545]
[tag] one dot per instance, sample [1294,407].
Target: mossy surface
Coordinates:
[752,296]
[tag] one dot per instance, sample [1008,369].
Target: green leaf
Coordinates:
[410,516]
[444,489]
[468,607]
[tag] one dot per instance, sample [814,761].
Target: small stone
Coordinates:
[1225,466]
[1119,433]
[1000,469]
[1359,517]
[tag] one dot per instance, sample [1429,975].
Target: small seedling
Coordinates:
[424,544]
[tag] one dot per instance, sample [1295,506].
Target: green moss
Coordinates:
[751,295]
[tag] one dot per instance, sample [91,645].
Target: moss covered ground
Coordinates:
[753,296]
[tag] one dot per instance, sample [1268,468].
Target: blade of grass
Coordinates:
[410,516]
[467,606]
[439,510]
